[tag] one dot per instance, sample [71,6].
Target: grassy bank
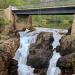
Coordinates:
[53,21]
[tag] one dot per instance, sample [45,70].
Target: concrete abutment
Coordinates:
[19,22]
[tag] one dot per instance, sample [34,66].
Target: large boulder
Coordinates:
[12,67]
[10,45]
[41,52]
[4,57]
[67,64]
[7,67]
[67,49]
[7,51]
[67,45]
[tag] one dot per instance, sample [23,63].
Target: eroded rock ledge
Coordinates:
[67,50]
[8,47]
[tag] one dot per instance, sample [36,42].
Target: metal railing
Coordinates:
[47,4]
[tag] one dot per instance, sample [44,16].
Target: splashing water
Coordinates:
[53,70]
[26,39]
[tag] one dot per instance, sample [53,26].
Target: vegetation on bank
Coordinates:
[3,22]
[7,3]
[53,21]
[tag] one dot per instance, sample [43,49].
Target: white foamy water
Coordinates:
[53,70]
[26,39]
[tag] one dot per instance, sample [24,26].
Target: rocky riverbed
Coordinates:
[40,52]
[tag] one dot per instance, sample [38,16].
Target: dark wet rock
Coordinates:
[40,71]
[58,48]
[12,67]
[67,64]
[8,66]
[67,45]
[41,51]
[4,57]
[67,49]
[8,47]
[69,31]
[9,42]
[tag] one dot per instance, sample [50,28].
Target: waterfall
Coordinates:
[26,39]
[53,70]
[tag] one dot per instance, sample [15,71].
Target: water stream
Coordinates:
[53,70]
[26,39]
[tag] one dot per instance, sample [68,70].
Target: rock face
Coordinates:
[4,57]
[8,47]
[11,45]
[67,45]
[67,64]
[5,63]
[41,52]
[67,49]
[12,67]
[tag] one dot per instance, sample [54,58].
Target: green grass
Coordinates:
[53,21]
[37,4]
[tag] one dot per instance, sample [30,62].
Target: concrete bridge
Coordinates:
[22,17]
[60,10]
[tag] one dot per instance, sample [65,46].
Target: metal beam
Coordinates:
[47,11]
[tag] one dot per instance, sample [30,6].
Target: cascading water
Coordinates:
[26,39]
[53,70]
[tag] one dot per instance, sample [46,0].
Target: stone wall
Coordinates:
[22,22]
[19,22]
